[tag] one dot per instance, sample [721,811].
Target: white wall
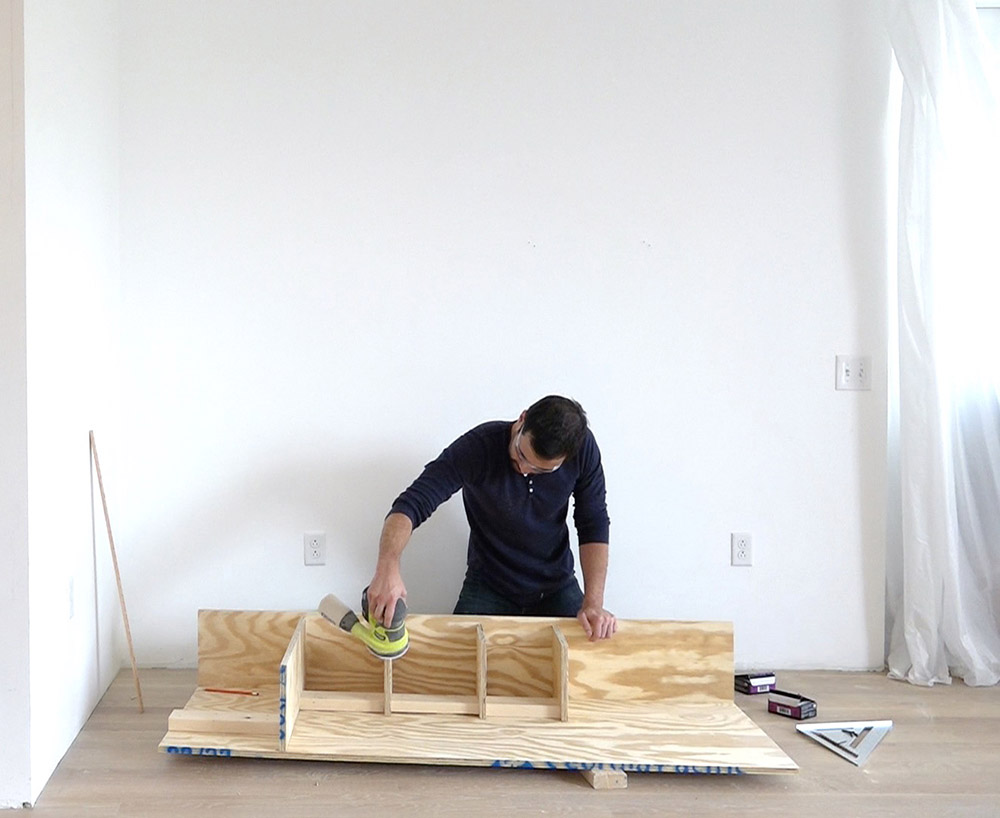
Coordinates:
[15,772]
[71,175]
[351,231]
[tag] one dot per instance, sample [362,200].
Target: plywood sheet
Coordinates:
[242,648]
[708,738]
[657,697]
[647,660]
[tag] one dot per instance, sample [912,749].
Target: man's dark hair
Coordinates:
[557,427]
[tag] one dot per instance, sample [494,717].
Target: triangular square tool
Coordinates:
[854,740]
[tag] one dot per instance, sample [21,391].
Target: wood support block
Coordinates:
[606,779]
[191,720]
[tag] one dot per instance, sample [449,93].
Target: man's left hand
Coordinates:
[597,623]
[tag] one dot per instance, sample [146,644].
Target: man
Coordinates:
[516,481]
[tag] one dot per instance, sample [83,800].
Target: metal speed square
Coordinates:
[853,740]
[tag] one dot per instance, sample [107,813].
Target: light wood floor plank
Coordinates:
[941,759]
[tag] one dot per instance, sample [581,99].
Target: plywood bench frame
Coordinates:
[473,690]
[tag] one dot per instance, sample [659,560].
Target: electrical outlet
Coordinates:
[315,547]
[741,549]
[854,372]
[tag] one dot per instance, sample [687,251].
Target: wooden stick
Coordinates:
[118,576]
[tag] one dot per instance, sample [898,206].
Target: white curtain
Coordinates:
[943,580]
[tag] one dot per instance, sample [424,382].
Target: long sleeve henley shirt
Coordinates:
[518,534]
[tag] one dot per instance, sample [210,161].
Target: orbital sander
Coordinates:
[385,643]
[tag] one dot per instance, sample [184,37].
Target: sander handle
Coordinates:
[398,613]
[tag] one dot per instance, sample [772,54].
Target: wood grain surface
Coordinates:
[710,738]
[647,660]
[242,648]
[658,697]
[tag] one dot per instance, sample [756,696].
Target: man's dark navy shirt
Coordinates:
[518,537]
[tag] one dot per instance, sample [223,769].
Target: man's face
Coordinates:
[523,456]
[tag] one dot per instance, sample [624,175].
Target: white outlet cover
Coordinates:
[741,549]
[314,548]
[854,372]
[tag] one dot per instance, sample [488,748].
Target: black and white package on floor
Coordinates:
[760,682]
[792,705]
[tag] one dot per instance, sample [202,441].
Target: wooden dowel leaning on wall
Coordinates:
[118,576]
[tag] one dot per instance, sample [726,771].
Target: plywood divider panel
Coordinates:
[560,672]
[292,679]
[387,687]
[481,669]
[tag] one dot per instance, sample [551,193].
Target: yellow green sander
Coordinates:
[385,643]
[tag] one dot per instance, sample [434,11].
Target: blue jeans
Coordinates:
[477,597]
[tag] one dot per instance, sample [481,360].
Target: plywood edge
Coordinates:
[292,675]
[226,746]
[693,739]
[560,672]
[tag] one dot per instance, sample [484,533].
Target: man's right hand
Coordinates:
[387,584]
[383,591]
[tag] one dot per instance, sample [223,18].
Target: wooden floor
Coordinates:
[941,759]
